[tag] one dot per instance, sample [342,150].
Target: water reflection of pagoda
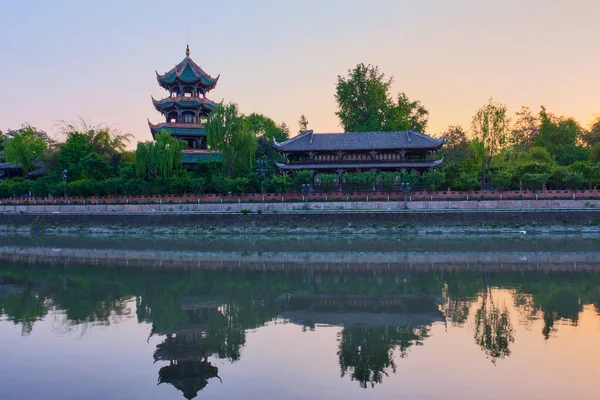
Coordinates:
[186,350]
[186,108]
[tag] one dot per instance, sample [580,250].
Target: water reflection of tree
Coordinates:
[367,353]
[24,307]
[493,330]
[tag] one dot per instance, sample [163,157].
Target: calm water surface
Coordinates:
[298,318]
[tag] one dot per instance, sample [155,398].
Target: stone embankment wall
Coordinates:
[300,206]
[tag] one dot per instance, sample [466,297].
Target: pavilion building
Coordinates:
[353,151]
[186,109]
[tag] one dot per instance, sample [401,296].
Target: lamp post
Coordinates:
[64,179]
[405,187]
[305,190]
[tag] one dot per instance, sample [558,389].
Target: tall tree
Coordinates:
[229,133]
[365,103]
[302,124]
[456,145]
[592,137]
[559,135]
[490,125]
[525,129]
[105,140]
[24,148]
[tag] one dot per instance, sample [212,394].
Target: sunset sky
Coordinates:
[64,60]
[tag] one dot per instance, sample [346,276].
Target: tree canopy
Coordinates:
[365,103]
[230,133]
[24,148]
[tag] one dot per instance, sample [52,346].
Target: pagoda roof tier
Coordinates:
[359,165]
[170,103]
[178,129]
[310,141]
[187,72]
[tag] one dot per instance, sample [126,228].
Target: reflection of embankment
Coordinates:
[564,261]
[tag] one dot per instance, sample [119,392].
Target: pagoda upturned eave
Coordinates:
[183,102]
[187,72]
[177,129]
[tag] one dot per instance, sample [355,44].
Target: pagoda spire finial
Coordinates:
[187,50]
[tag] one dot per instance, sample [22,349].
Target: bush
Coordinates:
[388,179]
[574,180]
[434,179]
[535,181]
[328,181]
[503,179]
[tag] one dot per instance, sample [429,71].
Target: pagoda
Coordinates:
[186,109]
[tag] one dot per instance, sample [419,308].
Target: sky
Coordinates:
[96,61]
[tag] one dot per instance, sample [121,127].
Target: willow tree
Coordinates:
[229,133]
[159,158]
[491,126]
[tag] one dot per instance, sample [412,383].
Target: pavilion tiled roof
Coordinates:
[310,141]
[364,165]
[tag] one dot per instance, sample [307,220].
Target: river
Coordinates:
[298,317]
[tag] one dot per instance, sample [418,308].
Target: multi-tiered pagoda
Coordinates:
[187,109]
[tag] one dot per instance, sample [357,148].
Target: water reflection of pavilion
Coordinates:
[407,310]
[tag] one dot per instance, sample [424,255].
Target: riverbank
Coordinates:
[260,218]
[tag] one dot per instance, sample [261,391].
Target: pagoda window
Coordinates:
[172,117]
[188,118]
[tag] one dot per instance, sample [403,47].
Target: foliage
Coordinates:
[24,148]
[302,124]
[160,157]
[434,179]
[328,181]
[490,125]
[535,181]
[229,133]
[456,145]
[525,129]
[388,179]
[365,103]
[503,179]
[558,135]
[574,180]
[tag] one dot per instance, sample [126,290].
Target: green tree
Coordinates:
[503,178]
[456,145]
[559,136]
[365,103]
[328,182]
[24,148]
[229,133]
[160,157]
[490,125]
[592,137]
[106,141]
[525,130]
[302,124]
[574,180]
[434,179]
[595,154]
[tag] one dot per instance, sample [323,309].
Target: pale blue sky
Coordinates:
[61,60]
